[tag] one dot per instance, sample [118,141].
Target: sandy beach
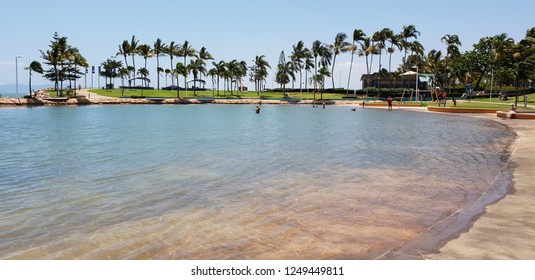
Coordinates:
[507,229]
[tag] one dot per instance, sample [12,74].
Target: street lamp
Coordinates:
[416,83]
[17,73]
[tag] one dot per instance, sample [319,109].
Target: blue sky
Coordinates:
[235,29]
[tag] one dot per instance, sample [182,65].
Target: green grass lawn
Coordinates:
[483,103]
[209,94]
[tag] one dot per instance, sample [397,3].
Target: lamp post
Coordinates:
[17,74]
[416,82]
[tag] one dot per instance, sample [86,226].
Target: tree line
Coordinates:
[497,58]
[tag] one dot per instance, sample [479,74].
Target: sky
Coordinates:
[242,29]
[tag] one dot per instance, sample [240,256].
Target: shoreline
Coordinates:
[502,226]
[505,230]
[497,226]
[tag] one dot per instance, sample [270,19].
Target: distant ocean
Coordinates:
[221,182]
[10,90]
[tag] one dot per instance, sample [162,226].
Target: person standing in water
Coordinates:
[257,109]
[389,100]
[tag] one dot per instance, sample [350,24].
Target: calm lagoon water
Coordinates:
[221,182]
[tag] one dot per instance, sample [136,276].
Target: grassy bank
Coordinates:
[209,94]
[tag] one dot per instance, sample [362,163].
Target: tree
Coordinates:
[132,52]
[143,72]
[146,52]
[204,55]
[320,80]
[172,51]
[298,55]
[259,72]
[36,67]
[159,50]
[196,67]
[123,73]
[213,74]
[111,69]
[358,37]
[76,59]
[408,32]
[64,60]
[124,50]
[316,49]
[185,51]
[367,49]
[284,72]
[340,46]
[180,69]
[308,65]
[219,71]
[54,57]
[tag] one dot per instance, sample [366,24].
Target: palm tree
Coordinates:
[159,50]
[219,69]
[366,50]
[204,55]
[452,49]
[124,50]
[316,49]
[260,72]
[240,72]
[320,80]
[408,32]
[299,53]
[196,67]
[180,69]
[171,51]
[186,50]
[340,46]
[358,36]
[123,73]
[36,67]
[284,72]
[110,69]
[167,72]
[143,72]
[434,65]
[146,52]
[213,73]
[77,60]
[452,44]
[132,52]
[395,41]
[308,65]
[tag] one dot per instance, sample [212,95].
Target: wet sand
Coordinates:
[507,228]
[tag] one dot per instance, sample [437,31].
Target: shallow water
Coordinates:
[221,182]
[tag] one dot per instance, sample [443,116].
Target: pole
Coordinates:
[416,83]
[491,83]
[17,74]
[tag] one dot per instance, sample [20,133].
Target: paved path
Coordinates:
[88,94]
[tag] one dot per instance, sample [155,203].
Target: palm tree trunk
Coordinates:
[332,70]
[185,76]
[30,81]
[134,64]
[350,68]
[158,72]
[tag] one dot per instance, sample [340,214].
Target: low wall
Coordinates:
[461,110]
[518,115]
